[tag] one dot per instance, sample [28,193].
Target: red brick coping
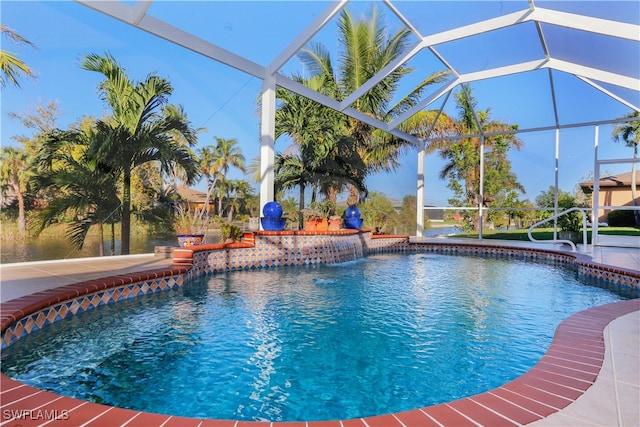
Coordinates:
[565,372]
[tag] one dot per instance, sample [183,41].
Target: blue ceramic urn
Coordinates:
[272,210]
[352,212]
[273,224]
[353,223]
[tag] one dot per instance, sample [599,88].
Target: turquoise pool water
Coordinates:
[383,334]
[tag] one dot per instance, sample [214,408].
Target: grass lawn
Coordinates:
[547,233]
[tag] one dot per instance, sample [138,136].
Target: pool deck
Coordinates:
[612,399]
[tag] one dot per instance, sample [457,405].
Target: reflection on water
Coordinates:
[47,248]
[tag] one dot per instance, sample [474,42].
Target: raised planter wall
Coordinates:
[286,248]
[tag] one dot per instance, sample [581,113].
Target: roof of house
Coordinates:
[620,180]
[191,195]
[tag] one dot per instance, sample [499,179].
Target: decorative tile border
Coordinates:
[610,277]
[41,318]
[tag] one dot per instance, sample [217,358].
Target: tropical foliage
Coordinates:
[86,195]
[12,69]
[214,162]
[568,222]
[190,221]
[334,150]
[15,173]
[142,128]
[18,169]
[462,167]
[378,212]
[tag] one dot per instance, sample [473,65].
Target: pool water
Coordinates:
[383,334]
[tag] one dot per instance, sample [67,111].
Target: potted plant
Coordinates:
[190,224]
[334,222]
[311,216]
[325,209]
[570,225]
[230,232]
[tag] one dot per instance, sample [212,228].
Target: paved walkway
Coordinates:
[611,401]
[26,278]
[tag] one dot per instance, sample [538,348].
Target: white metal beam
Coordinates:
[420,193]
[477,28]
[611,94]
[304,37]
[594,73]
[140,9]
[127,14]
[423,104]
[590,24]
[503,71]
[303,90]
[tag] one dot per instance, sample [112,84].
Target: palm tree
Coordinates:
[206,159]
[322,154]
[290,172]
[17,170]
[85,192]
[237,192]
[142,129]
[215,162]
[629,132]
[463,156]
[366,50]
[11,68]
[15,175]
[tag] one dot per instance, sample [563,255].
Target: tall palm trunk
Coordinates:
[101,229]
[126,214]
[354,195]
[301,206]
[22,217]
[113,238]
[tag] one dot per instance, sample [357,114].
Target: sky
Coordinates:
[224,100]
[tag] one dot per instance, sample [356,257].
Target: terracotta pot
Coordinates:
[334,224]
[310,225]
[323,224]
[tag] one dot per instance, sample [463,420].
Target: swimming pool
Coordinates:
[357,313]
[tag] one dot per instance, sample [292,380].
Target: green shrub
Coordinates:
[571,221]
[230,231]
[621,218]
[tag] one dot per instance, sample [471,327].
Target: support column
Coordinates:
[420,194]
[556,180]
[595,204]
[267,141]
[481,198]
